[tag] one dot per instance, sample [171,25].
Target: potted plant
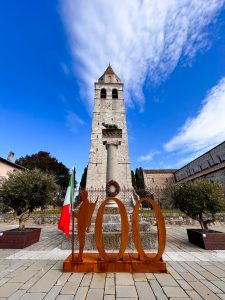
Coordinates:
[201,200]
[22,192]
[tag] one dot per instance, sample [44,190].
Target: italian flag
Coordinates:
[64,221]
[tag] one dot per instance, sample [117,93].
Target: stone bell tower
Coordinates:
[109,111]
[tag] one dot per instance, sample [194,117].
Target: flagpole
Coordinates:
[73,178]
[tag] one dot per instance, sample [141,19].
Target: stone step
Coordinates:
[112,241]
[115,218]
[111,227]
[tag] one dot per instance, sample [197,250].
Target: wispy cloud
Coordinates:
[148,157]
[142,39]
[207,128]
[73,121]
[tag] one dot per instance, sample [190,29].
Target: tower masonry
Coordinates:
[109,111]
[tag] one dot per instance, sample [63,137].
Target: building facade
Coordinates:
[157,180]
[210,165]
[6,165]
[109,110]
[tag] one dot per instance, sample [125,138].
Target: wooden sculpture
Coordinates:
[122,261]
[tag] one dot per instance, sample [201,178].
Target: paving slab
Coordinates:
[144,291]
[184,284]
[81,293]
[211,286]
[194,295]
[109,297]
[53,293]
[126,291]
[69,288]
[64,297]
[124,279]
[9,288]
[172,291]
[95,294]
[98,281]
[110,288]
[86,281]
[46,282]
[33,296]
[205,293]
[166,280]
[139,277]
[157,289]
[23,276]
[17,295]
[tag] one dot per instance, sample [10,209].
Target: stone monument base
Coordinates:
[112,241]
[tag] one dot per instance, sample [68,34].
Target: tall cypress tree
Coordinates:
[133,180]
[83,179]
[139,179]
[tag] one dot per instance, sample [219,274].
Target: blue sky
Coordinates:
[169,54]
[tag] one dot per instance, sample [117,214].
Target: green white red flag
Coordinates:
[64,221]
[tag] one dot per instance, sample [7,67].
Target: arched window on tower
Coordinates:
[115,94]
[103,93]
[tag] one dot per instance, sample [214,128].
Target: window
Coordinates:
[103,93]
[114,94]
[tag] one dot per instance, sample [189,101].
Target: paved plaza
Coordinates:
[35,273]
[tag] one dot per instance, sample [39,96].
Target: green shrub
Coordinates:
[24,191]
[200,200]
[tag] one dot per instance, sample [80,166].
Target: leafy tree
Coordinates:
[83,180]
[24,191]
[200,200]
[48,164]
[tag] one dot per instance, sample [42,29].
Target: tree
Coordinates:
[24,191]
[139,179]
[133,180]
[83,180]
[200,200]
[48,164]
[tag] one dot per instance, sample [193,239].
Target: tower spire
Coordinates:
[109,76]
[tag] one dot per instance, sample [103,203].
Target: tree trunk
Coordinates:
[205,224]
[201,223]
[21,223]
[22,219]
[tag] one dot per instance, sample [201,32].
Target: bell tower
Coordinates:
[109,111]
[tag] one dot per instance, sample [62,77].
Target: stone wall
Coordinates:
[206,164]
[170,219]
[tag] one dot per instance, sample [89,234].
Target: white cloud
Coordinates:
[148,157]
[207,128]
[142,39]
[73,120]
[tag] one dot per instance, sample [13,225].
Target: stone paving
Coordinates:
[35,273]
